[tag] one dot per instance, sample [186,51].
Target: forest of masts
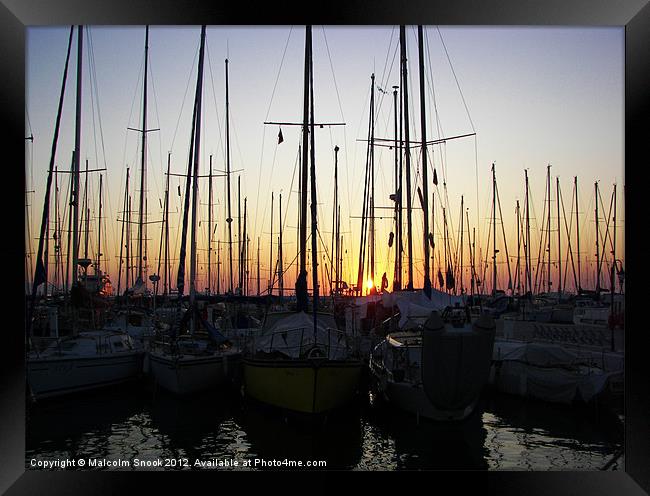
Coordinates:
[567,248]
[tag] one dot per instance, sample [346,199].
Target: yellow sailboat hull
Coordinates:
[306,386]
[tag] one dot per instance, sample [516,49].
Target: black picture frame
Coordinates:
[634,15]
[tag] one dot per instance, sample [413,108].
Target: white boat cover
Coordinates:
[294,334]
[541,354]
[415,308]
[361,304]
[549,372]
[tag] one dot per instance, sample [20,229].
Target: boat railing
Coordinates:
[106,345]
[103,343]
[302,347]
[39,344]
[402,362]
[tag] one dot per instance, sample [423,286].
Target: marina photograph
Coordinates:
[307,247]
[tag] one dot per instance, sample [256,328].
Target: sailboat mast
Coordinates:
[239,240]
[99,230]
[143,161]
[86,212]
[473,255]
[244,284]
[397,277]
[445,242]
[365,215]
[314,204]
[614,245]
[77,157]
[559,239]
[494,231]
[57,229]
[575,182]
[129,267]
[462,289]
[405,108]
[218,267]
[124,204]
[425,183]
[271,274]
[52,170]
[548,227]
[529,282]
[195,182]
[258,266]
[46,257]
[229,218]
[518,249]
[372,179]
[301,283]
[333,253]
[433,223]
[597,244]
[166,220]
[210,228]
[280,261]
[471,260]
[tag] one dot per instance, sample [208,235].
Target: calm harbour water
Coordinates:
[135,424]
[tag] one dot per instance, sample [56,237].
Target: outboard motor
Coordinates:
[456,363]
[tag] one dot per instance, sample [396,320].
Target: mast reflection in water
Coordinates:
[504,433]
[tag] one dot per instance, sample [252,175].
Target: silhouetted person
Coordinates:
[384,282]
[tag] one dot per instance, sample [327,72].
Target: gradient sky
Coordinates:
[533,95]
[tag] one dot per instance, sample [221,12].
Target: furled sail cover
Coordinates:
[456,362]
[293,336]
[415,308]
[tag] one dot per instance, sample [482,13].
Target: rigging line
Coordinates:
[95,90]
[386,61]
[156,178]
[30,161]
[329,56]
[456,79]
[363,114]
[505,245]
[325,250]
[384,82]
[609,218]
[603,259]
[286,213]
[268,111]
[91,59]
[542,242]
[214,98]
[126,131]
[30,148]
[569,250]
[477,194]
[345,139]
[432,87]
[29,124]
[189,77]
[89,69]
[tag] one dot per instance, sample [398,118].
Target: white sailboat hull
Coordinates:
[188,374]
[57,376]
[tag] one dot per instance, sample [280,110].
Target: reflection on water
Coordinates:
[505,433]
[337,439]
[539,436]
